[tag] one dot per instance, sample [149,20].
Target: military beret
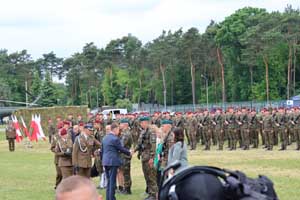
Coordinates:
[66,123]
[89,126]
[81,124]
[123,121]
[63,132]
[145,118]
[97,121]
[60,125]
[166,121]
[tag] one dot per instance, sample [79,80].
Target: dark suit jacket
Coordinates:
[111,148]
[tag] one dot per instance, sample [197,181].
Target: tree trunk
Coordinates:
[294,69]
[289,73]
[251,80]
[162,70]
[193,81]
[220,60]
[267,77]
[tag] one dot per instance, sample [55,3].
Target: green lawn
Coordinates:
[30,173]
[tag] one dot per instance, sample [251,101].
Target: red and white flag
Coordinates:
[37,131]
[25,130]
[19,136]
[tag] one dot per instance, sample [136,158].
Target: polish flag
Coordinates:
[41,134]
[25,130]
[19,136]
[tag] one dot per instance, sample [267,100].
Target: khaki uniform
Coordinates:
[296,122]
[57,168]
[63,150]
[51,131]
[10,132]
[281,123]
[82,154]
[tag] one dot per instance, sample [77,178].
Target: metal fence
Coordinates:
[190,107]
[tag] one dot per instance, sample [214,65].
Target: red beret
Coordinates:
[63,132]
[97,121]
[59,125]
[81,124]
[66,123]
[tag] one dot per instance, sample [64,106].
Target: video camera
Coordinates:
[211,183]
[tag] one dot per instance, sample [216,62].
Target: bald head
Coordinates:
[76,188]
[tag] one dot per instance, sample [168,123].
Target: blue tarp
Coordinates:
[296,98]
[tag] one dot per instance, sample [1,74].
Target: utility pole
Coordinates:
[26,95]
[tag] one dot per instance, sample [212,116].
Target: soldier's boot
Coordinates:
[127,191]
[120,189]
[220,147]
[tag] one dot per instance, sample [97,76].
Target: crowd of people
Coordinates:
[158,139]
[81,147]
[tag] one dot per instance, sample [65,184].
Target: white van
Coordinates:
[114,112]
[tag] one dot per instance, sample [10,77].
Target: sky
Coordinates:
[65,26]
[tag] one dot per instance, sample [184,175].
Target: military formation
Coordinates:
[76,143]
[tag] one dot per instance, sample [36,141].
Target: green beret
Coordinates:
[166,121]
[144,119]
[124,121]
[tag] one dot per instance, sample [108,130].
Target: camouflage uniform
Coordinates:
[254,130]
[167,143]
[231,127]
[245,133]
[296,122]
[206,124]
[218,119]
[192,129]
[127,141]
[281,122]
[147,148]
[268,131]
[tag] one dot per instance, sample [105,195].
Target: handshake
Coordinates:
[132,152]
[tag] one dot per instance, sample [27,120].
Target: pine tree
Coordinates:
[48,91]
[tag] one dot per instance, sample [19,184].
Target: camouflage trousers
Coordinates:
[126,172]
[283,137]
[232,138]
[193,139]
[269,136]
[297,137]
[254,137]
[245,134]
[150,178]
[220,135]
[207,135]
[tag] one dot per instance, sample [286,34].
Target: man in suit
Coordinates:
[111,160]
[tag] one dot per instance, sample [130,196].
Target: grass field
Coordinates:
[30,173]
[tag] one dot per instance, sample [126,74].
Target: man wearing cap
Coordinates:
[10,132]
[219,131]
[63,150]
[192,125]
[126,141]
[230,122]
[268,129]
[99,135]
[55,138]
[168,141]
[147,148]
[83,150]
[254,128]
[79,119]
[295,121]
[281,124]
